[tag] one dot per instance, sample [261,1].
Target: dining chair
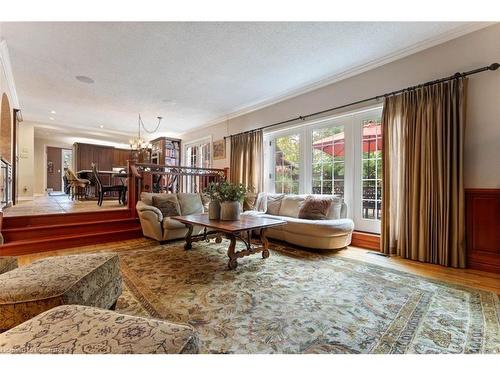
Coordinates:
[102,189]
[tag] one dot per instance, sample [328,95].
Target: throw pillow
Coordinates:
[261,202]
[249,202]
[274,203]
[336,208]
[205,201]
[315,208]
[167,204]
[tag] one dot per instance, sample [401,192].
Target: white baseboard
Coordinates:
[25,198]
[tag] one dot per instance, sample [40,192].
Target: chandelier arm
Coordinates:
[147,130]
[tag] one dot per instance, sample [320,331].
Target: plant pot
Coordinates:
[230,210]
[214,210]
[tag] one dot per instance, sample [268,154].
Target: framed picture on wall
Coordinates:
[219,149]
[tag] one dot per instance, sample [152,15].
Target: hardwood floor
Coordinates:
[467,277]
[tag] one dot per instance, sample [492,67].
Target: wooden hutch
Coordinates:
[166,151]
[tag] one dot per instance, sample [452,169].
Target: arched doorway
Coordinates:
[6,129]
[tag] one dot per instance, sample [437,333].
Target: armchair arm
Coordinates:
[143,207]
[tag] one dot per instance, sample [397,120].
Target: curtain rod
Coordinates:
[492,67]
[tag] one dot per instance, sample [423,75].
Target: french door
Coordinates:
[367,187]
[341,155]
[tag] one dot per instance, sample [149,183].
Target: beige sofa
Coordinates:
[160,228]
[333,233]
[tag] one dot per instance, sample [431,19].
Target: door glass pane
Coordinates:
[205,152]
[286,164]
[372,169]
[328,153]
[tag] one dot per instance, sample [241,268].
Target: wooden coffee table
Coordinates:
[233,230]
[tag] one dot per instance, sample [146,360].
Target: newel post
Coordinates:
[133,192]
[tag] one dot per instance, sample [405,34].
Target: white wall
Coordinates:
[482,155]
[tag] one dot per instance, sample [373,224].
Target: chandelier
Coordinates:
[138,143]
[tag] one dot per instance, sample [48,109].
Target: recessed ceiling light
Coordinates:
[170,102]
[51,118]
[101,126]
[53,112]
[85,79]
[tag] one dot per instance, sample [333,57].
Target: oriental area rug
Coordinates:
[304,302]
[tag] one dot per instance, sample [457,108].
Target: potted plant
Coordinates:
[212,191]
[231,197]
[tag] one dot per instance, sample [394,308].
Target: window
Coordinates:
[328,152]
[197,154]
[286,164]
[341,155]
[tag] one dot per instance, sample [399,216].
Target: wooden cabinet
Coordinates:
[120,157]
[106,157]
[483,229]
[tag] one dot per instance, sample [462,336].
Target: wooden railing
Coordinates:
[155,178]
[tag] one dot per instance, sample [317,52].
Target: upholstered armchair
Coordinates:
[160,227]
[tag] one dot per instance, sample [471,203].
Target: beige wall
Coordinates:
[26,160]
[40,169]
[482,158]
[4,87]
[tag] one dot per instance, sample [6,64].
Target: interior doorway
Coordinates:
[58,160]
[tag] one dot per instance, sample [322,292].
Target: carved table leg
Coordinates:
[233,263]
[187,245]
[265,243]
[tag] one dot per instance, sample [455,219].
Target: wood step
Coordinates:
[64,218]
[23,247]
[57,230]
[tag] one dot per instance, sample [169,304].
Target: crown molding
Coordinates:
[9,76]
[418,47]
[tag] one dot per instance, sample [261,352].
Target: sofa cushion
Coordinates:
[315,207]
[319,228]
[273,203]
[190,203]
[147,198]
[290,205]
[73,329]
[86,279]
[169,223]
[167,204]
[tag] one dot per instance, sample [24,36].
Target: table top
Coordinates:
[112,173]
[91,171]
[245,222]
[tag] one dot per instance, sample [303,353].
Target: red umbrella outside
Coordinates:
[334,144]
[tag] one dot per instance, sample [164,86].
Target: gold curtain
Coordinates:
[247,160]
[423,215]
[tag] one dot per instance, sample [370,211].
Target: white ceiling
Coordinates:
[190,73]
